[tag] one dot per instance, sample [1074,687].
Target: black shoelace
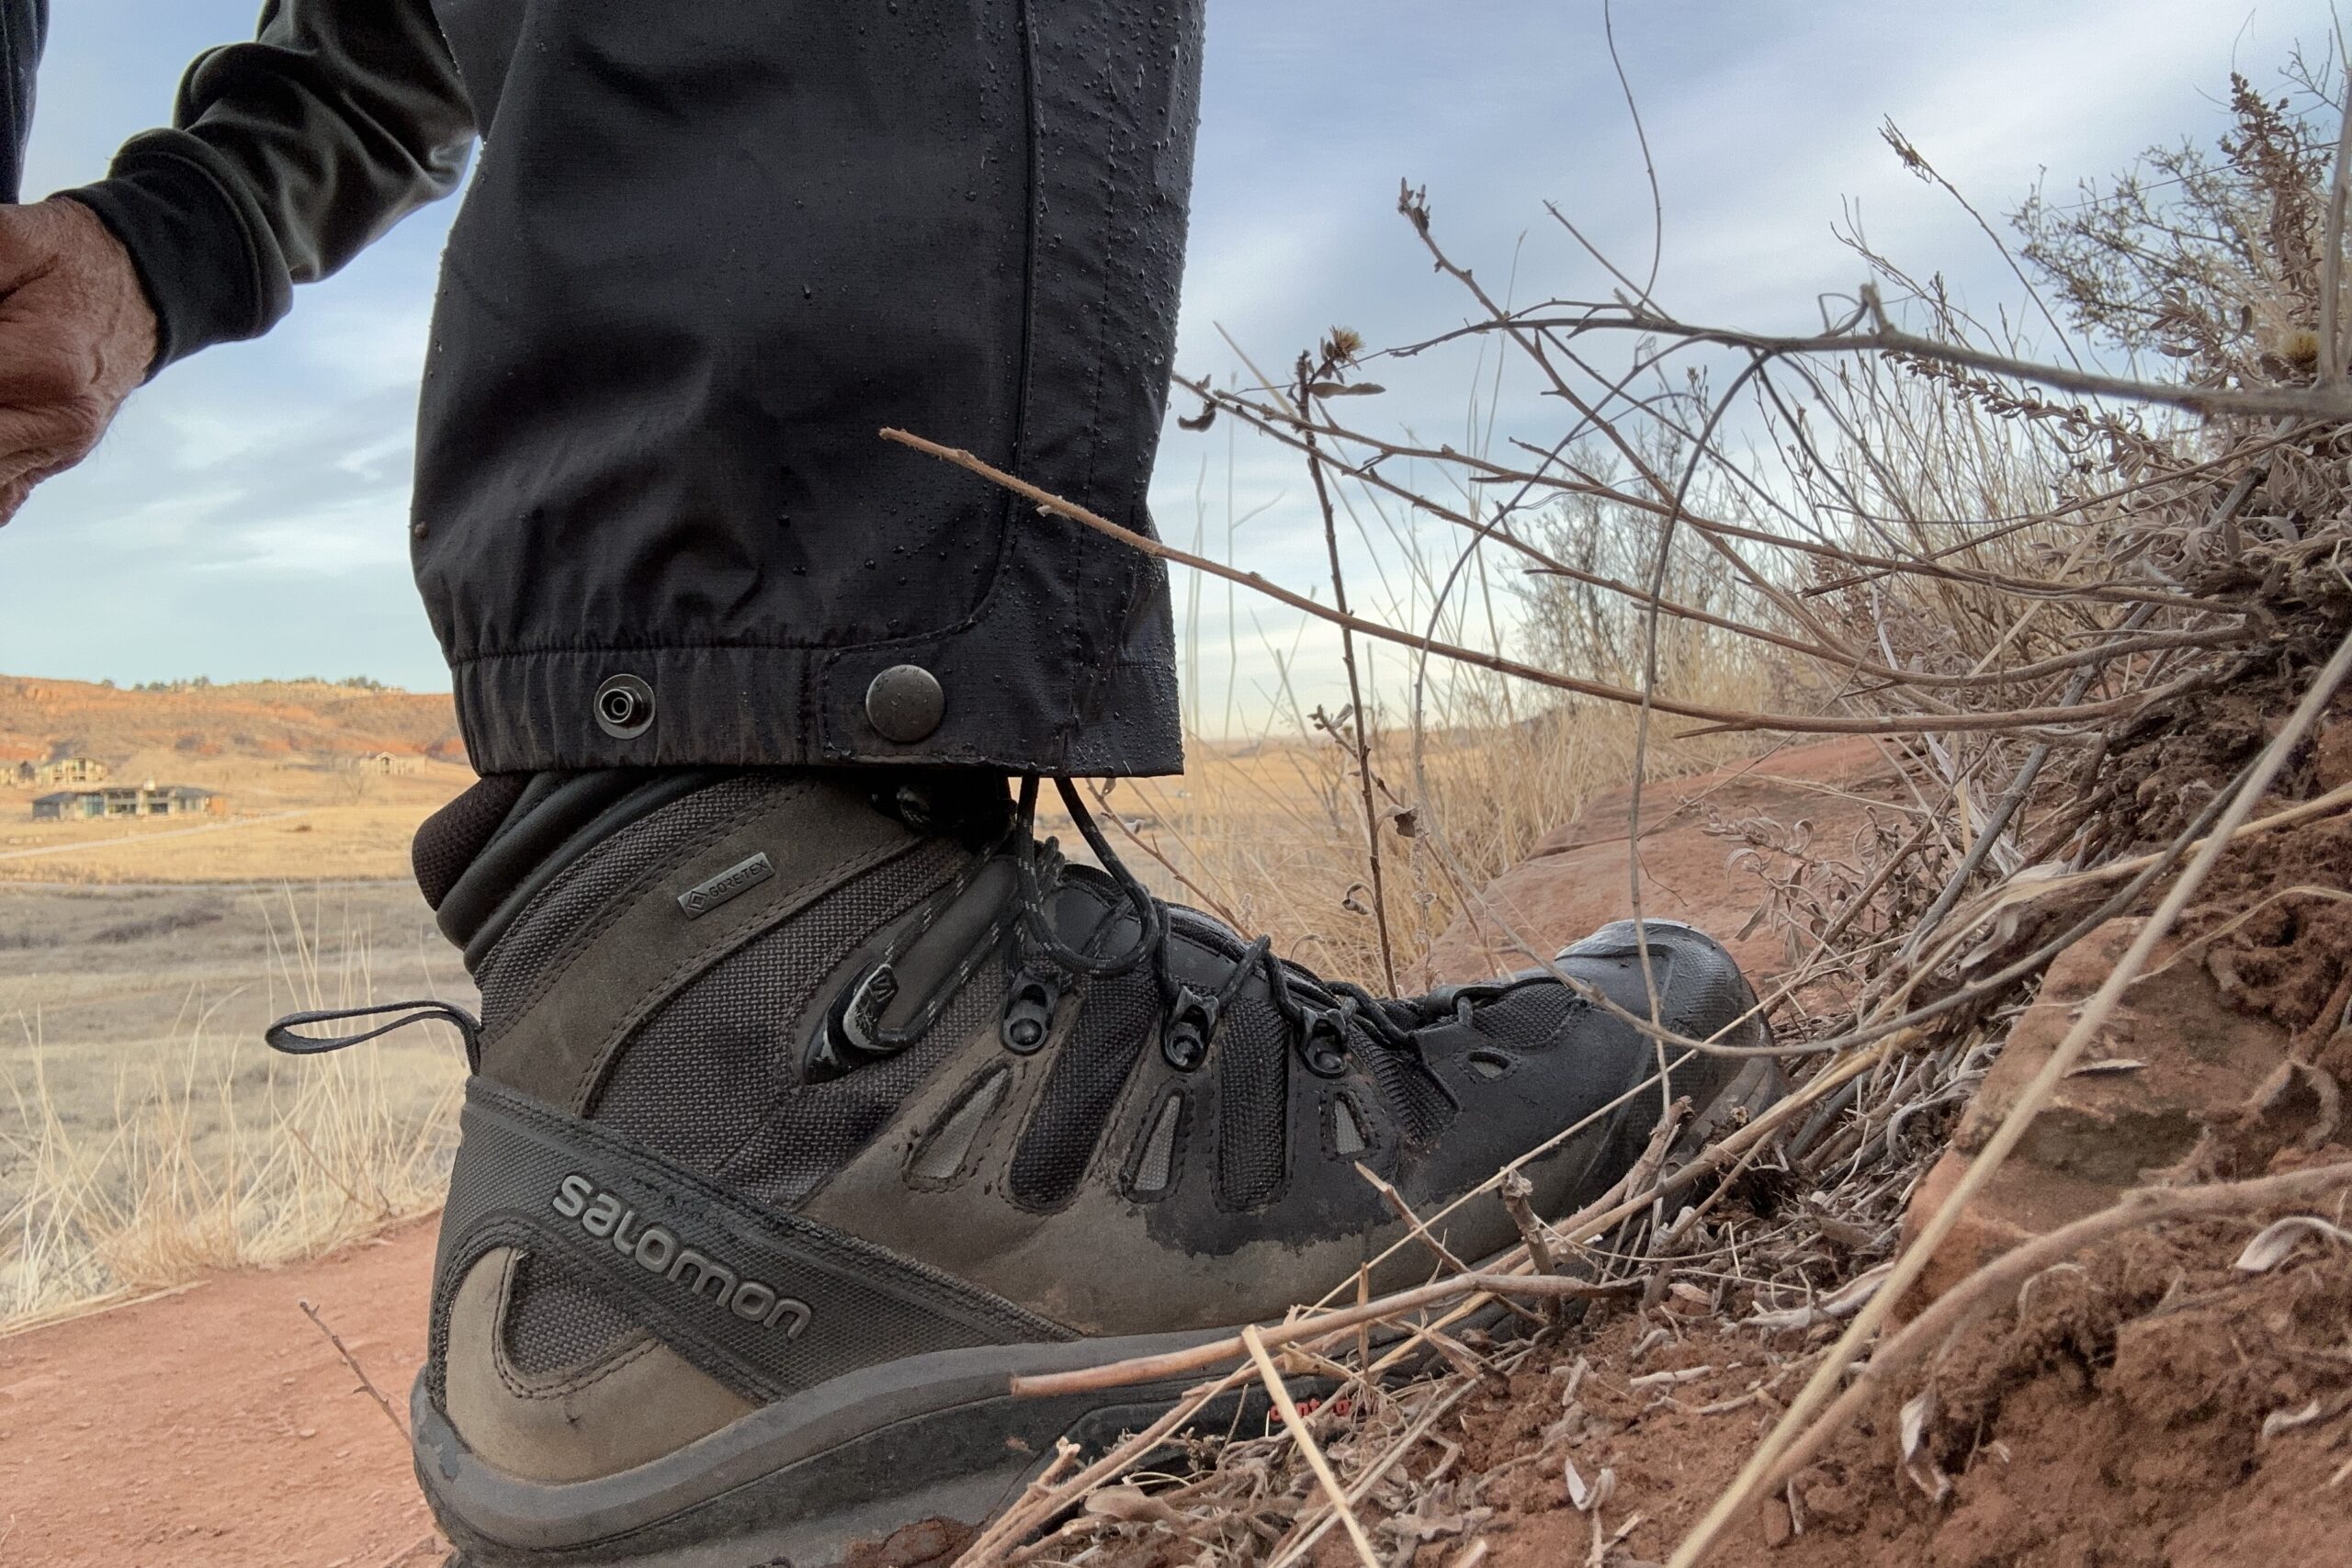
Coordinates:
[287,1035]
[1320,1013]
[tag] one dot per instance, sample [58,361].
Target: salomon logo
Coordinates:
[658,1251]
[703,898]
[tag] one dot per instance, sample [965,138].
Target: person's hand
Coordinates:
[76,335]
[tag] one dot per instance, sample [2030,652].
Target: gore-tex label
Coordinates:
[705,897]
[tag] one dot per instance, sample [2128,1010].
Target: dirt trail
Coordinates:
[1712,845]
[217,1428]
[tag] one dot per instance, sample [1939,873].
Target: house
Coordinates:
[65,770]
[387,763]
[150,799]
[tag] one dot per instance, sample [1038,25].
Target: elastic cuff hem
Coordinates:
[765,706]
[190,245]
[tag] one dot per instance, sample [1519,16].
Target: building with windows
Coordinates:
[387,763]
[67,770]
[150,799]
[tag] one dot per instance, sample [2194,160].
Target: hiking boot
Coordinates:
[808,1109]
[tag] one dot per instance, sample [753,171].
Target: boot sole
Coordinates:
[808,1482]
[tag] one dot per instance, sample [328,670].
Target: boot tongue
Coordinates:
[1089,912]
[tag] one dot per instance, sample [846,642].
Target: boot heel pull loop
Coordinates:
[285,1033]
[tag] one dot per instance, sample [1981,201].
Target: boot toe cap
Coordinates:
[1700,991]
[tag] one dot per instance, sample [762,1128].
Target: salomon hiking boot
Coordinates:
[808,1109]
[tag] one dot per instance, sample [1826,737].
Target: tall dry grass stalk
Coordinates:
[218,1154]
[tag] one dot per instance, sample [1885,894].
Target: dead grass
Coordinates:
[1270,835]
[217,1153]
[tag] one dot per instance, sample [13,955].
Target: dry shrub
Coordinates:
[1270,834]
[2073,609]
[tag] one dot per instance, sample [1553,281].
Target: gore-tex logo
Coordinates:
[658,1251]
[705,897]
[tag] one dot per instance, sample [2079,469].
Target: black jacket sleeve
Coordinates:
[286,156]
[23,25]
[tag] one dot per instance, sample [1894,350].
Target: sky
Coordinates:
[246,517]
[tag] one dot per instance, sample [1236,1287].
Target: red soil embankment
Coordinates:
[1711,848]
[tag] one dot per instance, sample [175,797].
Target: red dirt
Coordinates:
[218,1428]
[42,717]
[1712,846]
[2188,1066]
[2115,1423]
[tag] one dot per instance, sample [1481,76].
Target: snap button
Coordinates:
[904,703]
[624,707]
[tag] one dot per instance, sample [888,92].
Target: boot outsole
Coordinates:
[963,1464]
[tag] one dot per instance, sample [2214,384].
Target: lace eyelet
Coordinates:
[1029,1012]
[1184,1043]
[1323,1044]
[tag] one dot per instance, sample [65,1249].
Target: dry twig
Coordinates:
[367,1383]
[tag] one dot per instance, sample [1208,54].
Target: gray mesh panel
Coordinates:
[818,1127]
[1347,1133]
[1526,1018]
[1420,1106]
[556,917]
[708,1074]
[943,1154]
[557,1322]
[1156,1160]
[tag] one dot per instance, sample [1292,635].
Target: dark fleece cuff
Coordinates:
[194,246]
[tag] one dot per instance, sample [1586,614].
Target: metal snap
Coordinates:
[624,707]
[905,704]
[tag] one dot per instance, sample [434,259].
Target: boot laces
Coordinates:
[1317,1011]
[1320,1013]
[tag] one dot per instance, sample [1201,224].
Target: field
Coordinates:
[145,1132]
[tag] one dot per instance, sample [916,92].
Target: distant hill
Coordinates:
[260,719]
